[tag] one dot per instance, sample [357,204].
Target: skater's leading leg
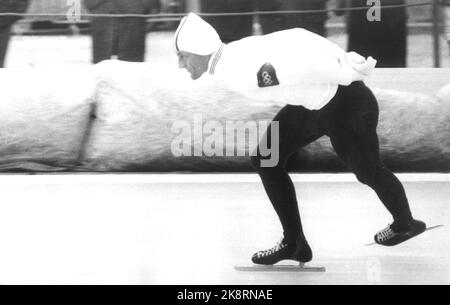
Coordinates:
[297,128]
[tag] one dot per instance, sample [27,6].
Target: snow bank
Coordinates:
[119,116]
[44,114]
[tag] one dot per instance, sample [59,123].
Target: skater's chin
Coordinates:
[195,76]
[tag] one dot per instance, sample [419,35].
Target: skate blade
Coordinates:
[281,268]
[427,230]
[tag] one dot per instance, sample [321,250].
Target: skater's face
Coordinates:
[195,64]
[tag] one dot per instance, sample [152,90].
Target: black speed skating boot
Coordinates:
[392,235]
[300,252]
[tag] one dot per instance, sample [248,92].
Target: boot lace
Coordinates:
[385,234]
[279,246]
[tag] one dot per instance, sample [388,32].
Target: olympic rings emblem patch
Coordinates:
[267,76]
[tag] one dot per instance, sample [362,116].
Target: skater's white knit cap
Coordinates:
[196,36]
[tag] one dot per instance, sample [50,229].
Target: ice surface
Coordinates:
[175,229]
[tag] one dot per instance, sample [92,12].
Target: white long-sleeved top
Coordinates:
[308,67]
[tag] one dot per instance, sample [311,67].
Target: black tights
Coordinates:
[350,119]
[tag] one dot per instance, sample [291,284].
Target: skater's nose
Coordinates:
[181,63]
